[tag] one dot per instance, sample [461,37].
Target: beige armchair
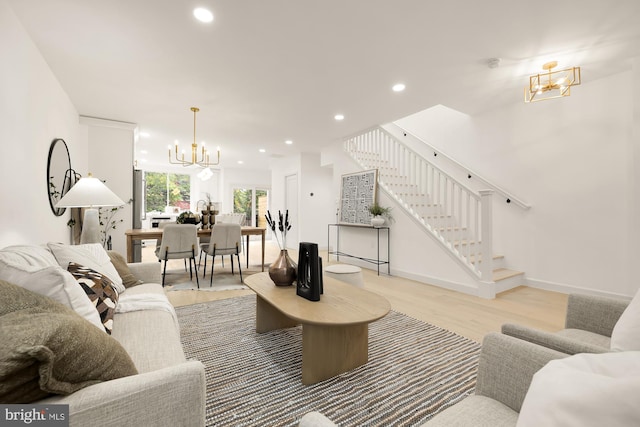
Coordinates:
[505,371]
[588,326]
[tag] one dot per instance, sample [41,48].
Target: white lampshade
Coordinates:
[89,192]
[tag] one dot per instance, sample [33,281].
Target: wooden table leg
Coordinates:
[264,236]
[331,350]
[247,251]
[269,318]
[129,248]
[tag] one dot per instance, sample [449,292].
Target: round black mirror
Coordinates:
[59,174]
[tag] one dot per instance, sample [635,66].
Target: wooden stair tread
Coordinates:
[504,273]
[472,258]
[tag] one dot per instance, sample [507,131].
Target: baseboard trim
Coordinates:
[435,281]
[569,289]
[464,288]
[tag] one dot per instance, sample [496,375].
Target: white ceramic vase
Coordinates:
[377,221]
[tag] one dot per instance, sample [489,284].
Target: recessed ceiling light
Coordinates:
[203,15]
[288,142]
[262,150]
[339,117]
[240,162]
[398,87]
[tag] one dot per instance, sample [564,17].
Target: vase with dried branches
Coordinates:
[283,270]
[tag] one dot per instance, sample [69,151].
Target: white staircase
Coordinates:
[454,215]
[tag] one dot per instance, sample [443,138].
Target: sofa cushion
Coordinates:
[99,289]
[31,255]
[120,264]
[149,331]
[48,348]
[91,255]
[476,411]
[35,269]
[626,333]
[587,337]
[585,390]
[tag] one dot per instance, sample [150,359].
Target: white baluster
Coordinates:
[486,233]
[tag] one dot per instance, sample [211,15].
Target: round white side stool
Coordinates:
[345,272]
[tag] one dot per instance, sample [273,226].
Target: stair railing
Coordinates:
[404,135]
[457,217]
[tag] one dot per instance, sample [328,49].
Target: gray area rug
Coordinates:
[415,370]
[179,280]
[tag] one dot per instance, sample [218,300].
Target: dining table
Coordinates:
[136,234]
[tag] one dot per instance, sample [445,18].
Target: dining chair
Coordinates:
[203,243]
[179,241]
[228,218]
[226,239]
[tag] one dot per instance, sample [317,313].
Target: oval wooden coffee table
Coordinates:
[335,330]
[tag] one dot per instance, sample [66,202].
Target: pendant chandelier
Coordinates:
[204,160]
[551,84]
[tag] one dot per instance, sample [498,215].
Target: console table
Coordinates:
[376,261]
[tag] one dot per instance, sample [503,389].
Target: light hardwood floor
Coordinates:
[463,314]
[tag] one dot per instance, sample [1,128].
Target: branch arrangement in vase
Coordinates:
[282,225]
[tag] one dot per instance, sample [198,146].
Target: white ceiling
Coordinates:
[267,71]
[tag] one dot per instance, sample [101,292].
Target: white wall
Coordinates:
[633,249]
[569,159]
[412,251]
[314,212]
[316,200]
[34,109]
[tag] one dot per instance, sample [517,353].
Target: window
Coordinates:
[253,203]
[167,189]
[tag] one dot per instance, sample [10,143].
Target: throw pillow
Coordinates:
[626,333]
[100,291]
[586,390]
[128,278]
[28,267]
[48,348]
[91,255]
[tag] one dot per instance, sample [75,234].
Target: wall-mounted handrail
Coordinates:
[505,195]
[455,215]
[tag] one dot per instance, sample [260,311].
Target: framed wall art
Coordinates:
[359,190]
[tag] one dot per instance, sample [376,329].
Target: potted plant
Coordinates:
[187,217]
[379,214]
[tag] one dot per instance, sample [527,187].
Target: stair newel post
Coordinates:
[486,233]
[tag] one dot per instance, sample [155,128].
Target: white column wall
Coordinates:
[111,160]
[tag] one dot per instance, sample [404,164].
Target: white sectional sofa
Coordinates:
[167,389]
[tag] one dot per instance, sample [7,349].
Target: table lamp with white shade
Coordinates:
[90,193]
